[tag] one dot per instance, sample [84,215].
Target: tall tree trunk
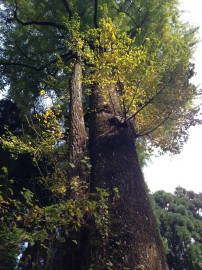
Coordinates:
[133,242]
[69,255]
[65,255]
[77,133]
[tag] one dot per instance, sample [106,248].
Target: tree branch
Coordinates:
[133,31]
[143,133]
[67,8]
[21,65]
[147,102]
[95,13]
[65,57]
[52,24]
[127,14]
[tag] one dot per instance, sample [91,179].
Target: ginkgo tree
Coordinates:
[125,66]
[146,78]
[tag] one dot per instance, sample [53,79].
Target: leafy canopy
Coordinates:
[142,48]
[139,48]
[180,223]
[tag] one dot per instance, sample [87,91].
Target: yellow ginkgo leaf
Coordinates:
[19,218]
[42,92]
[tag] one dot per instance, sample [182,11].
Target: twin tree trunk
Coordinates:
[133,241]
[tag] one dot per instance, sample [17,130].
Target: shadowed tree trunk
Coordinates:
[133,241]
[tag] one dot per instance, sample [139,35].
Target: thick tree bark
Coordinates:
[133,242]
[77,133]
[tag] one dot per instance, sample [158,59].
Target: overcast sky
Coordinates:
[185,169]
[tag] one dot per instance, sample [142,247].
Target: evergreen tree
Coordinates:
[180,223]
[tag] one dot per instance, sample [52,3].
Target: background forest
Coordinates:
[92,88]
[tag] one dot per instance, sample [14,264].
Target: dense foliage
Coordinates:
[115,41]
[180,222]
[65,64]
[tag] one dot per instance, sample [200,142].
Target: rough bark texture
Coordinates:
[65,255]
[77,133]
[69,255]
[133,241]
